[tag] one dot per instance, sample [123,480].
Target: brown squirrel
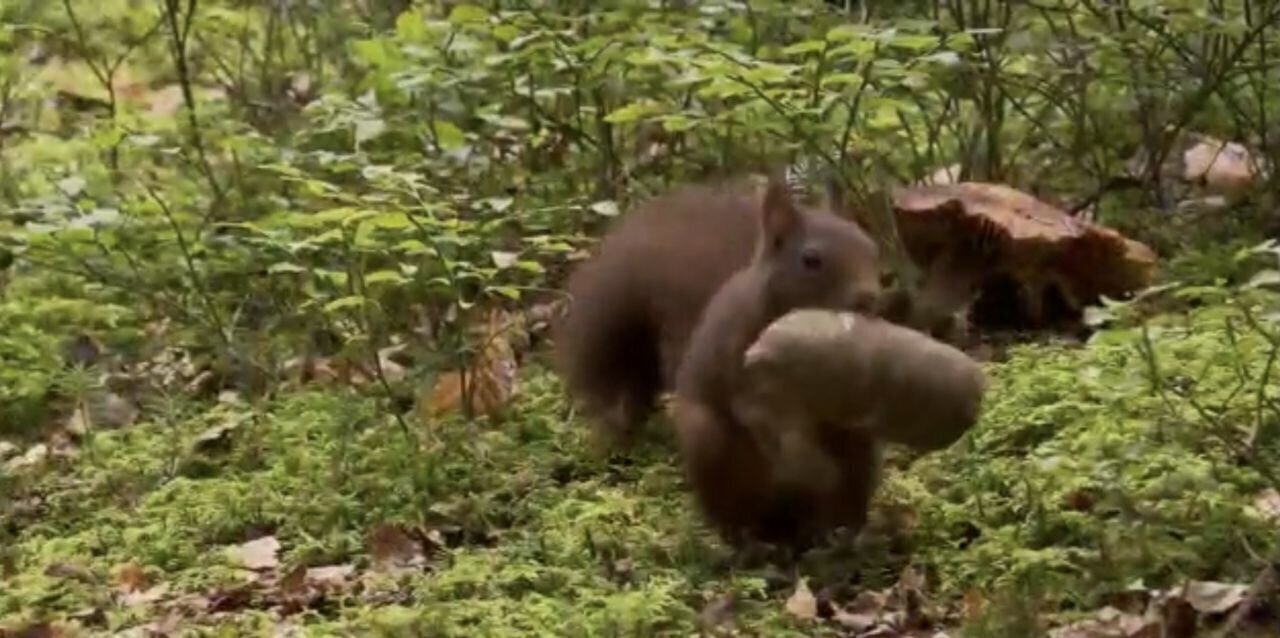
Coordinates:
[634,307]
[634,304]
[802,259]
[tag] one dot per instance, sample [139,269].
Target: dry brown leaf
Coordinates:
[392,549]
[972,604]
[70,571]
[857,621]
[131,577]
[1266,504]
[35,455]
[257,554]
[718,613]
[1110,622]
[165,101]
[165,626]
[490,379]
[145,597]
[218,437]
[329,576]
[1214,598]
[38,630]
[294,583]
[1224,167]
[802,604]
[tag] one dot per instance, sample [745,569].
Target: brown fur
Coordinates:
[634,304]
[803,259]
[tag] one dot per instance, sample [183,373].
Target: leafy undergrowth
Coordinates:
[1081,485]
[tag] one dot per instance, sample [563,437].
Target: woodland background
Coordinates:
[246,247]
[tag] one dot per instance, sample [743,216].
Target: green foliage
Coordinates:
[1136,458]
[262,181]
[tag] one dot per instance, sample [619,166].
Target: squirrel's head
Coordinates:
[814,257]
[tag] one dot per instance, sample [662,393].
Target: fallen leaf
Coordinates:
[802,603]
[393,549]
[231,599]
[1225,167]
[257,554]
[142,598]
[972,604]
[70,571]
[216,438]
[1266,504]
[167,625]
[38,630]
[329,576]
[1110,622]
[718,613]
[131,577]
[490,379]
[1214,598]
[34,455]
[856,621]
[294,583]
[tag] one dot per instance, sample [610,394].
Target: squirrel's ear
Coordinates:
[779,216]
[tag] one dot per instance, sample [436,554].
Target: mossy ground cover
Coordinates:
[1080,481]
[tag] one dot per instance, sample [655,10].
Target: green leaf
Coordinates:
[467,14]
[632,112]
[914,42]
[531,267]
[804,48]
[368,130]
[1264,279]
[448,135]
[411,26]
[678,123]
[284,267]
[841,79]
[343,303]
[506,291]
[385,276]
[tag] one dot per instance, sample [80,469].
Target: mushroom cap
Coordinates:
[1020,235]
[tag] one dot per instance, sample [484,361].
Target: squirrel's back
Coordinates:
[634,303]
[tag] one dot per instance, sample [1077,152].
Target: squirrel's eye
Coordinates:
[811,260]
